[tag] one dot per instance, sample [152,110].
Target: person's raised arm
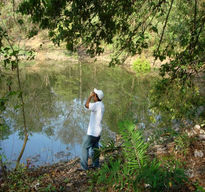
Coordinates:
[92,94]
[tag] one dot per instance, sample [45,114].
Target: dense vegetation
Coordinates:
[166,30]
[173,29]
[134,170]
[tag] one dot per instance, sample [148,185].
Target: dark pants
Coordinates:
[90,142]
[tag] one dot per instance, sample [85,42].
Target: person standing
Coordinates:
[92,137]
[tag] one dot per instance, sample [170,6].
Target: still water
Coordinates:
[56,117]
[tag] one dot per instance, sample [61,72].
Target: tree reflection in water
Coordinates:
[55,113]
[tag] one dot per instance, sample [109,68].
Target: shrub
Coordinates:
[141,65]
[134,170]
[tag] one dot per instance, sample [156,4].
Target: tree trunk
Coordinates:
[22,102]
[80,81]
[24,118]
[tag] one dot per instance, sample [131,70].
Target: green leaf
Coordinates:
[20,21]
[154,29]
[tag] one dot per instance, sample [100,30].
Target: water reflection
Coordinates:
[55,113]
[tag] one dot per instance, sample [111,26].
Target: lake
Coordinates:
[54,105]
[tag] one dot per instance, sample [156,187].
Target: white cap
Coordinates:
[99,93]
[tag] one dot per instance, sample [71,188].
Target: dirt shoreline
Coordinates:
[45,50]
[65,176]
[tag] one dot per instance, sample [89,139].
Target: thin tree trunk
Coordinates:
[22,103]
[165,24]
[80,80]
[24,118]
[164,27]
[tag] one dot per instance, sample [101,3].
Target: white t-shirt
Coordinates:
[97,110]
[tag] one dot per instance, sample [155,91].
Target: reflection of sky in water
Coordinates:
[62,145]
[73,112]
[57,118]
[40,149]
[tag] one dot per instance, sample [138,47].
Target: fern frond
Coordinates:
[134,146]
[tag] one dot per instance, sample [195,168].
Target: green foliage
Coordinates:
[109,147]
[173,29]
[182,143]
[173,100]
[49,188]
[10,54]
[134,170]
[16,25]
[18,180]
[134,146]
[199,188]
[141,65]
[158,178]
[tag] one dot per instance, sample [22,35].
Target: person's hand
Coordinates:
[92,94]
